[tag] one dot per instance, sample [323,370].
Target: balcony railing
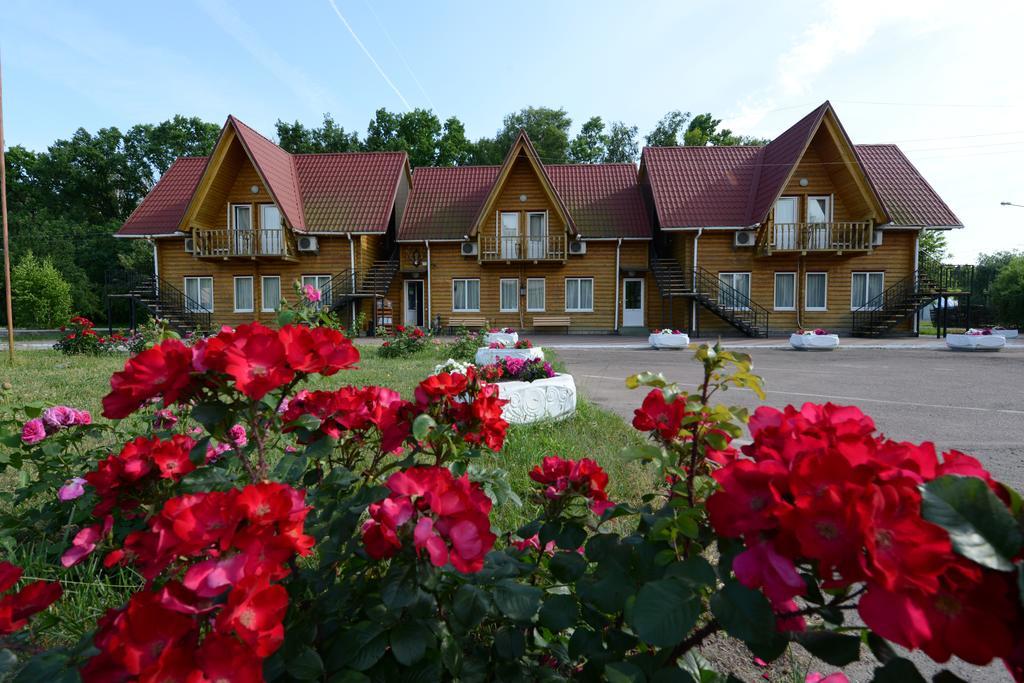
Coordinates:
[835,237]
[228,243]
[522,247]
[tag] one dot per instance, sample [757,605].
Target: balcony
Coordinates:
[522,248]
[271,243]
[836,237]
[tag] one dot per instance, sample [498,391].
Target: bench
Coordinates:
[551,321]
[468,323]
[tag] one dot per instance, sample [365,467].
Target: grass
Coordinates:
[81,381]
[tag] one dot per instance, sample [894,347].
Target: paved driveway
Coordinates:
[973,402]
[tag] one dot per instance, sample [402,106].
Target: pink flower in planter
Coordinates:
[816,677]
[515,365]
[33,432]
[73,488]
[238,436]
[312,294]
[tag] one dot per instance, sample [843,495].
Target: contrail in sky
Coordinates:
[401,56]
[370,56]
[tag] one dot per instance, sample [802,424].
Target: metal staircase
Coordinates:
[908,296]
[706,289]
[162,299]
[354,284]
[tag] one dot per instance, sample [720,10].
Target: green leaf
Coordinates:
[321,448]
[517,601]
[831,647]
[623,672]
[744,613]
[898,670]
[306,665]
[695,571]
[209,414]
[509,643]
[469,605]
[567,566]
[306,421]
[559,612]
[198,453]
[979,525]
[646,379]
[947,676]
[422,426]
[7,662]
[409,640]
[664,612]
[880,648]
[571,537]
[585,643]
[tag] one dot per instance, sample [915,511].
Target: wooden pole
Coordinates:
[7,241]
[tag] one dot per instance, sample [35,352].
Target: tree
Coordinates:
[41,297]
[588,147]
[621,144]
[329,137]
[667,132]
[417,132]
[548,130]
[932,246]
[160,144]
[454,148]
[1007,292]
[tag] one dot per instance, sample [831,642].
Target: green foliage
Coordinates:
[1007,292]
[682,128]
[42,298]
[932,246]
[329,137]
[402,342]
[465,345]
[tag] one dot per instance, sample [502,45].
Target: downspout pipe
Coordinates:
[352,271]
[618,251]
[917,265]
[430,312]
[693,285]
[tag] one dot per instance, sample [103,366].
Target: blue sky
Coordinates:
[943,80]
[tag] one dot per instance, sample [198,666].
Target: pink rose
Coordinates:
[33,432]
[238,436]
[58,416]
[82,417]
[164,419]
[312,294]
[74,488]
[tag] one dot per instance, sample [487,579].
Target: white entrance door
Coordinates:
[785,223]
[633,302]
[413,316]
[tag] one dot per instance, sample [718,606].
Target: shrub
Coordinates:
[465,345]
[1007,292]
[402,342]
[41,296]
[79,337]
[346,534]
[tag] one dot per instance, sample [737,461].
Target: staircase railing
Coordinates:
[910,294]
[730,304]
[158,295]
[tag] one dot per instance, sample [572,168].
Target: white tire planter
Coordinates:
[487,356]
[507,338]
[814,342]
[668,341]
[1005,334]
[551,398]
[975,342]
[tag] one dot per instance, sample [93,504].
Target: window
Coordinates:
[271,234]
[322,283]
[199,294]
[510,234]
[865,287]
[735,290]
[465,295]
[243,294]
[242,214]
[509,295]
[819,209]
[537,233]
[579,294]
[785,291]
[270,297]
[816,292]
[535,295]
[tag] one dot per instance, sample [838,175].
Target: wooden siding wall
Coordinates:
[717,254]
[175,264]
[522,180]
[820,182]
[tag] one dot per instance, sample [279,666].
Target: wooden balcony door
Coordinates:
[509,235]
[786,228]
[819,221]
[241,227]
[537,235]
[271,234]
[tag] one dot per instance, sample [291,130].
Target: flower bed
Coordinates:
[402,342]
[976,340]
[549,398]
[522,348]
[813,340]
[1005,333]
[505,336]
[668,339]
[79,337]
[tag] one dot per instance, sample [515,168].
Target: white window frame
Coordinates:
[807,277]
[750,287]
[252,293]
[775,292]
[501,305]
[867,285]
[579,290]
[234,216]
[543,294]
[830,206]
[199,287]
[263,292]
[467,280]
[538,249]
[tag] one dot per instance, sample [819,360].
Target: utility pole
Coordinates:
[7,240]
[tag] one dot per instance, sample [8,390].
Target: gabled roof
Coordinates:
[694,187]
[161,210]
[604,200]
[337,192]
[522,146]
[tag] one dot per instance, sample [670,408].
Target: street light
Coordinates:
[1019,206]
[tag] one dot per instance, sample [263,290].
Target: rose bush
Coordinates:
[346,534]
[79,337]
[402,342]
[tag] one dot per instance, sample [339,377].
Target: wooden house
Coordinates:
[808,231]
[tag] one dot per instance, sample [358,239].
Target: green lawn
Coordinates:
[82,381]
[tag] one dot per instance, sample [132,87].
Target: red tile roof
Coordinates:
[161,211]
[344,192]
[906,195]
[604,200]
[736,186]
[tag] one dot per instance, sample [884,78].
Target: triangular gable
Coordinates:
[273,165]
[781,157]
[523,146]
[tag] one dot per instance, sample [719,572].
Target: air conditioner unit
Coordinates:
[577,247]
[189,245]
[308,243]
[876,238]
[744,238]
[468,248]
